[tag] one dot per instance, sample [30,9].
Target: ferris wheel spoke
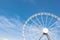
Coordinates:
[38,20]
[51,26]
[35,29]
[50,22]
[56,31]
[55,28]
[42,21]
[46,21]
[35,23]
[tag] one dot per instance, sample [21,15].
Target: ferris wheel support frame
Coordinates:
[46,35]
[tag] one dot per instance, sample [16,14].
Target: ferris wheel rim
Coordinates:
[38,14]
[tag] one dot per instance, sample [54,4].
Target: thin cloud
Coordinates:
[10,28]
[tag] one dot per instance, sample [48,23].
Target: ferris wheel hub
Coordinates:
[45,30]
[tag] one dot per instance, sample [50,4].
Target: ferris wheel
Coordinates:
[41,26]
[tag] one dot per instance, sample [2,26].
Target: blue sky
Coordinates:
[26,8]
[15,11]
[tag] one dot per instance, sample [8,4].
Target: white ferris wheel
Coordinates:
[41,26]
